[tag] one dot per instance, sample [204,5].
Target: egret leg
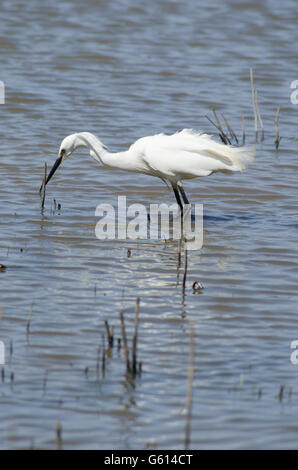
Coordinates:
[177,196]
[184,197]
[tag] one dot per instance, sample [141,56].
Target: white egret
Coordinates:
[184,155]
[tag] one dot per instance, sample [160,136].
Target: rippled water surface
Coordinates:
[123,70]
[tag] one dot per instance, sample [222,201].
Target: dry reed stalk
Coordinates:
[281,393]
[277,140]
[110,334]
[222,138]
[223,135]
[254,102]
[229,127]
[135,339]
[126,352]
[259,116]
[242,126]
[103,363]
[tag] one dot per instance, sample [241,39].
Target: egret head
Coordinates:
[72,142]
[68,145]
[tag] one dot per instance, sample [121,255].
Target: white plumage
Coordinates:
[189,154]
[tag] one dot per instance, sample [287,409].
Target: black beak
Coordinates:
[54,168]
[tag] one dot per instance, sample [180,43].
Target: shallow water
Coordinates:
[124,70]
